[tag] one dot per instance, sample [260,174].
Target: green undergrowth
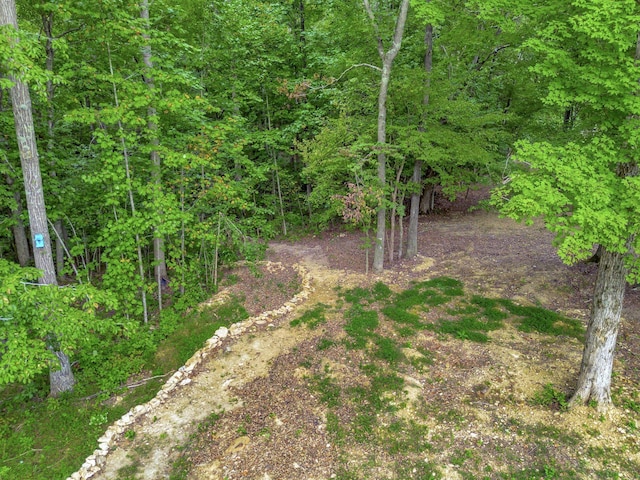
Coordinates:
[44,438]
[383,340]
[441,305]
[311,318]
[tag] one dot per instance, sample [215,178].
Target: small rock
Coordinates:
[222,332]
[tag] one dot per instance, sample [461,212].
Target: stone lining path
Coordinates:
[197,390]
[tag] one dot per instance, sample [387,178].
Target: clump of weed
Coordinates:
[550,397]
[401,315]
[537,319]
[469,328]
[328,390]
[360,326]
[381,291]
[388,350]
[490,308]
[325,343]
[312,317]
[357,295]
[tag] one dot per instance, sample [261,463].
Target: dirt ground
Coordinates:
[247,412]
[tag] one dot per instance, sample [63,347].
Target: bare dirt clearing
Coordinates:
[263,407]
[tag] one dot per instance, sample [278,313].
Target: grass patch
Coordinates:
[180,345]
[43,438]
[360,326]
[387,350]
[469,328]
[312,317]
[328,390]
[325,343]
[401,315]
[537,319]
[550,397]
[371,411]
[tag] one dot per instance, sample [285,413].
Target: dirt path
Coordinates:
[273,429]
[148,448]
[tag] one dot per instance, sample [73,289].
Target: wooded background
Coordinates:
[174,137]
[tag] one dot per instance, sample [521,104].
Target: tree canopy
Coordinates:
[177,137]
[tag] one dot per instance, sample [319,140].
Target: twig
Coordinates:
[145,380]
[130,386]
[66,251]
[492,54]
[336,80]
[22,454]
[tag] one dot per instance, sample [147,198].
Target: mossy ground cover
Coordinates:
[383,335]
[48,438]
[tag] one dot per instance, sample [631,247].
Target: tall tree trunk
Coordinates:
[414,212]
[61,380]
[160,269]
[428,200]
[387,61]
[19,232]
[303,40]
[394,208]
[416,179]
[125,156]
[594,380]
[47,26]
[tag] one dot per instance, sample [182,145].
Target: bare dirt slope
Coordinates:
[248,414]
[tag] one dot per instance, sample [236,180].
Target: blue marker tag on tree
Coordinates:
[39,240]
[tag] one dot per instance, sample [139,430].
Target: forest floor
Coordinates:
[323,399]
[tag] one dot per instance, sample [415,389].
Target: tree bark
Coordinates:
[428,200]
[594,380]
[387,61]
[19,231]
[414,213]
[47,26]
[61,380]
[160,269]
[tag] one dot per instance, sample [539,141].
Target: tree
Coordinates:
[584,181]
[160,267]
[412,240]
[387,57]
[61,379]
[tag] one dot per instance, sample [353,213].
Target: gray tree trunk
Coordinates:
[19,231]
[47,26]
[428,200]
[160,269]
[387,61]
[414,213]
[594,380]
[62,379]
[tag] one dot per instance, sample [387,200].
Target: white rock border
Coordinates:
[94,462]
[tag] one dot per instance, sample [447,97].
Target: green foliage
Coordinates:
[401,315]
[329,391]
[583,182]
[36,319]
[544,321]
[360,325]
[58,434]
[311,318]
[550,397]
